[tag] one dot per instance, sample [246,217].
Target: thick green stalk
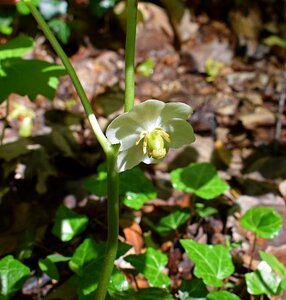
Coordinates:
[80,91]
[113,225]
[130,53]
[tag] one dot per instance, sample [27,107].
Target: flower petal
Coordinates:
[148,113]
[129,158]
[180,131]
[124,130]
[149,160]
[175,110]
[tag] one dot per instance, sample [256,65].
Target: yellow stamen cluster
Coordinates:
[154,142]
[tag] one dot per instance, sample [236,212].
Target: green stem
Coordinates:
[130,54]
[113,225]
[80,91]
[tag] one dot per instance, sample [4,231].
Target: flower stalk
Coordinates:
[130,54]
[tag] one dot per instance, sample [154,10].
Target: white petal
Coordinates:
[175,110]
[149,160]
[129,158]
[123,130]
[148,113]
[181,133]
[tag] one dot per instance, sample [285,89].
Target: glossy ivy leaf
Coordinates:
[199,178]
[143,294]
[212,263]
[89,251]
[173,221]
[12,275]
[16,47]
[151,264]
[28,78]
[263,281]
[273,262]
[61,29]
[193,289]
[266,222]
[48,265]
[87,264]
[222,295]
[118,283]
[134,188]
[68,224]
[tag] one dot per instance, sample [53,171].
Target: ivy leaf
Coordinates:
[143,294]
[263,221]
[61,30]
[12,275]
[48,265]
[193,289]
[199,178]
[134,188]
[151,264]
[28,77]
[173,221]
[87,264]
[212,263]
[222,295]
[23,9]
[16,47]
[273,262]
[68,224]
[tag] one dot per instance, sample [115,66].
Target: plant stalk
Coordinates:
[113,225]
[130,54]
[78,86]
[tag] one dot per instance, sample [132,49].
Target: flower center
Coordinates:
[154,142]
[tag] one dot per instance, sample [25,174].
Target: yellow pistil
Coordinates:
[154,142]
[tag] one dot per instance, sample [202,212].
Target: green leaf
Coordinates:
[146,67]
[205,211]
[48,265]
[273,262]
[16,47]
[89,251]
[263,221]
[117,283]
[255,286]
[173,221]
[23,8]
[193,289]
[222,295]
[212,263]
[134,187]
[151,264]
[14,150]
[68,224]
[100,7]
[61,30]
[199,178]
[275,40]
[12,275]
[143,294]
[28,77]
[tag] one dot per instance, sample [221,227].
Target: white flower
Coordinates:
[148,130]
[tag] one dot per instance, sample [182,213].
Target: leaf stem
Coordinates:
[113,225]
[78,86]
[130,53]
